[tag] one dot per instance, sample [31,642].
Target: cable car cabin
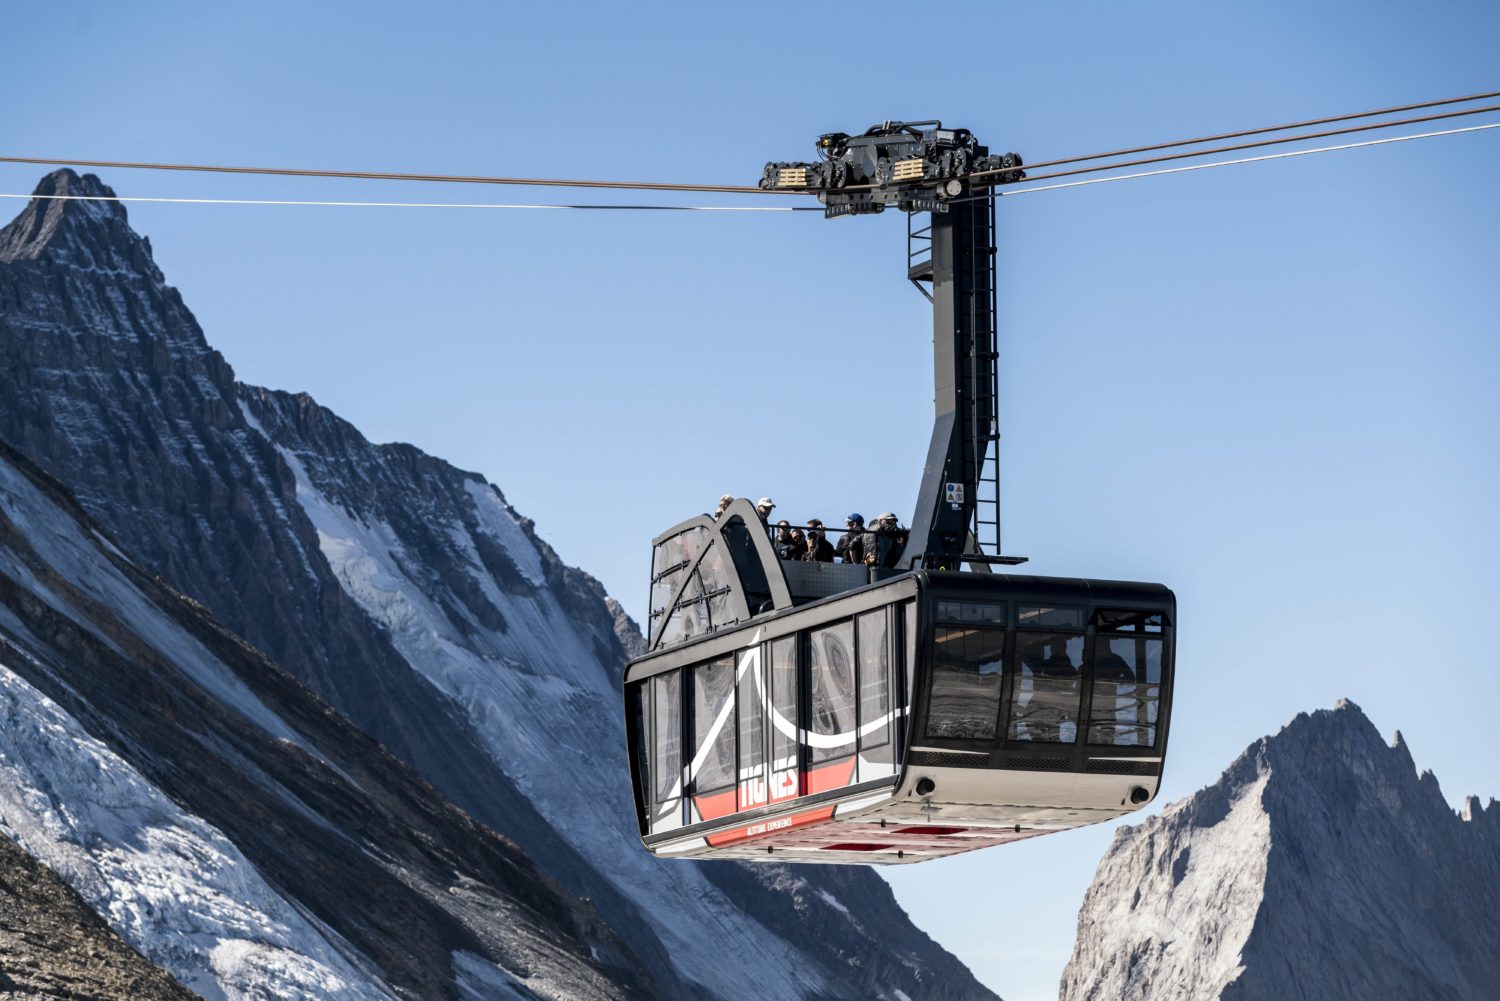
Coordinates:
[814,712]
[834,712]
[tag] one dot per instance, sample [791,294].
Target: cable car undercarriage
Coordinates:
[836,712]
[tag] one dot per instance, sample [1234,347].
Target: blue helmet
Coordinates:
[858,519]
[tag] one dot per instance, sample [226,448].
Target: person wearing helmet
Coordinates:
[764,507]
[851,546]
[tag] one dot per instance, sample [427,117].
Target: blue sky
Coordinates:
[1269,386]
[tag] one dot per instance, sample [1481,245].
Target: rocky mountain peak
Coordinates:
[1321,864]
[60,225]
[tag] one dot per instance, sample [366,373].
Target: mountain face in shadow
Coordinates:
[1320,866]
[230,826]
[413,599]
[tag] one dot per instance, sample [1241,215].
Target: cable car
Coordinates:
[923,703]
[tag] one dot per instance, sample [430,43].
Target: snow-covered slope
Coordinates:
[53,945]
[408,594]
[1320,866]
[228,825]
[170,884]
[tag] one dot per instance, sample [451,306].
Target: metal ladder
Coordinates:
[982,457]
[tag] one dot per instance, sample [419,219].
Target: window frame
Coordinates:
[692,788]
[657,801]
[925,736]
[1013,677]
[1087,721]
[805,669]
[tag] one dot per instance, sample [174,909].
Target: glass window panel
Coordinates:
[1122,620]
[666,707]
[1045,697]
[663,590]
[1127,691]
[909,640]
[713,725]
[690,617]
[971,611]
[1049,617]
[714,579]
[831,671]
[975,611]
[784,691]
[751,701]
[712,569]
[874,680]
[640,753]
[967,668]
[666,556]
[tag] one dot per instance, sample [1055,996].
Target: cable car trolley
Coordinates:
[921,703]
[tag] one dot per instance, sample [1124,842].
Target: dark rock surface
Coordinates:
[52,946]
[410,596]
[1320,866]
[329,818]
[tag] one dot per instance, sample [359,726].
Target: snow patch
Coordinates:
[547,711]
[167,882]
[480,980]
[833,901]
[502,525]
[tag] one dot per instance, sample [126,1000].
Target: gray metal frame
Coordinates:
[744,511]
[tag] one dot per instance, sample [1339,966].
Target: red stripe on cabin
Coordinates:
[764,828]
[834,775]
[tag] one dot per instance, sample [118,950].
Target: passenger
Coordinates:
[1116,706]
[851,546]
[1055,694]
[724,503]
[891,539]
[786,546]
[764,507]
[799,544]
[884,542]
[819,549]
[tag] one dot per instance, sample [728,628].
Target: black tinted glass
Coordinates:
[971,611]
[1127,691]
[1048,687]
[1049,617]
[1126,620]
[967,666]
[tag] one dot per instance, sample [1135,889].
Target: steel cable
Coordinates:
[1299,137]
[1268,128]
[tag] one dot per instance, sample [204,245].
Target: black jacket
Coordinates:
[851,547]
[819,549]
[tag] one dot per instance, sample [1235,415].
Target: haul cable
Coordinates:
[1008,192]
[1269,128]
[376,175]
[1299,137]
[731,188]
[418,205]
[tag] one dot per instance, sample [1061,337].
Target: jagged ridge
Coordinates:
[1321,865]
